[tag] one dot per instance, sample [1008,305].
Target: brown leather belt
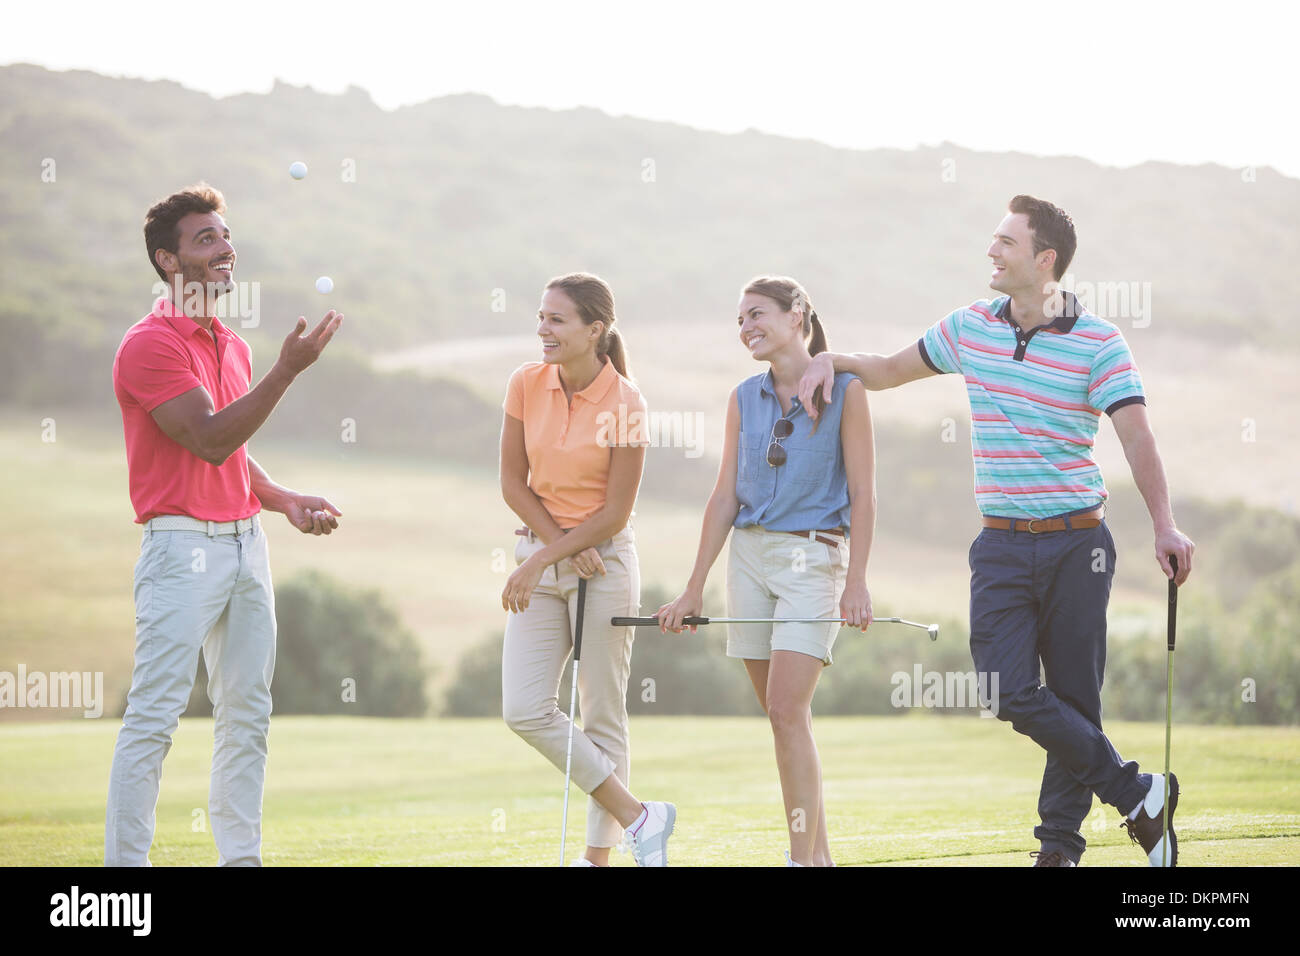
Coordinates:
[531,535]
[1039,525]
[817,536]
[526,532]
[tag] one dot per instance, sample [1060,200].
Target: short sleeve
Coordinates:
[1114,381]
[514,403]
[634,430]
[939,344]
[153,369]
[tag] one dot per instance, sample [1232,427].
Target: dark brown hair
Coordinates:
[791,296]
[595,301]
[162,221]
[1052,229]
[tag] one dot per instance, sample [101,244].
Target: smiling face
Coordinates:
[766,328]
[204,253]
[1015,267]
[563,333]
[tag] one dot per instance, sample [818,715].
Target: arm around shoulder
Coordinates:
[906,365]
[875,371]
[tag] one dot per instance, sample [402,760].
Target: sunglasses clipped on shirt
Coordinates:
[776,455]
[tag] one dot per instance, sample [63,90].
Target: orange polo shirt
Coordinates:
[569,444]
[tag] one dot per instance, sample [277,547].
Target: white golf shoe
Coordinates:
[648,837]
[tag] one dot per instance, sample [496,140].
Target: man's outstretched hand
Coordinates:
[300,351]
[312,514]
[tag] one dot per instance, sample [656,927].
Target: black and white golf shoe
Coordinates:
[1147,828]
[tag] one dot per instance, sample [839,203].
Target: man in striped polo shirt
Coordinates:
[1040,372]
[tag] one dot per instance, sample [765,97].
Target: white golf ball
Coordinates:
[324,285]
[298,170]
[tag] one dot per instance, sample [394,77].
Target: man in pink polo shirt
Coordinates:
[203,581]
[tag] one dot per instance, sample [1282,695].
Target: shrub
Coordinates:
[330,635]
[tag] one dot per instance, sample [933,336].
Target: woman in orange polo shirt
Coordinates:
[571,461]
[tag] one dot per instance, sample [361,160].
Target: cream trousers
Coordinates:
[538,643]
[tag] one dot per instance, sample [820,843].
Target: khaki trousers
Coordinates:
[538,643]
[196,593]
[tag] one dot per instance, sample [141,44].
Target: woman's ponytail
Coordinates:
[817,345]
[617,352]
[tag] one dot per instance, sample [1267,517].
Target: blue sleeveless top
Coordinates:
[811,490]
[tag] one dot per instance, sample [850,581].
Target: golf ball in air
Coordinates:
[324,285]
[298,170]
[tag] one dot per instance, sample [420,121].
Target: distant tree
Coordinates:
[338,651]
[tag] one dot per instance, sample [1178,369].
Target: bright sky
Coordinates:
[1116,82]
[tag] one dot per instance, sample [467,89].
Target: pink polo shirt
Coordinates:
[163,355]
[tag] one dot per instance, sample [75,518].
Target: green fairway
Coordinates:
[914,790]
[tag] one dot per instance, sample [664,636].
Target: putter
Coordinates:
[573,710]
[1169,707]
[931,629]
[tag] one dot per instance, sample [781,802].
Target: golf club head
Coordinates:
[933,631]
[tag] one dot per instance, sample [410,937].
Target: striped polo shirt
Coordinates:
[1036,400]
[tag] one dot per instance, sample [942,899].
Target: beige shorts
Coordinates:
[777,574]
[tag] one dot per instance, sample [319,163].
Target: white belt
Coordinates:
[210,528]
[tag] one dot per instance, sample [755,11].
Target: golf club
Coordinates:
[1169,707]
[573,704]
[931,629]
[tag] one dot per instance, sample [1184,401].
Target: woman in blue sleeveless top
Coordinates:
[792,489]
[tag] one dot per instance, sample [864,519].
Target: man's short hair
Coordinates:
[162,222]
[1052,229]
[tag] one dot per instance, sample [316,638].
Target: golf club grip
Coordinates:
[1173,601]
[582,606]
[652,621]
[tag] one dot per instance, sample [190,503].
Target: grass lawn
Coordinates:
[916,790]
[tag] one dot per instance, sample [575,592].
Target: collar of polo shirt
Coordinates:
[182,323]
[1062,323]
[596,391]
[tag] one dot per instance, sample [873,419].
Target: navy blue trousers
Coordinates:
[1042,598]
